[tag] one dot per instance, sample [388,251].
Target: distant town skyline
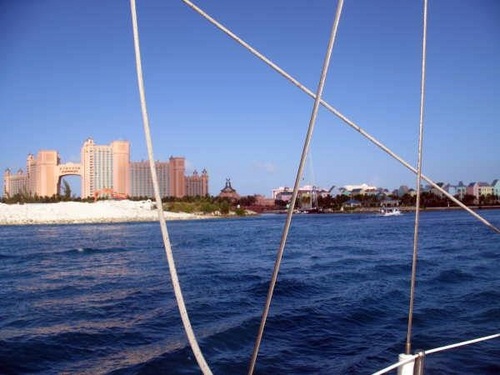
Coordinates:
[68,72]
[136,181]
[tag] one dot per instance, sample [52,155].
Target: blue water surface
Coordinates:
[97,299]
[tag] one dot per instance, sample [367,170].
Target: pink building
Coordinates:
[141,181]
[478,189]
[105,170]
[100,168]
[177,180]
[14,183]
[197,185]
[171,179]
[105,167]
[41,177]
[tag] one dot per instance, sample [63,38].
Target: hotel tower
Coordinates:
[105,170]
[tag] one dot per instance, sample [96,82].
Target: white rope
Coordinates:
[435,350]
[463,343]
[166,241]
[305,150]
[330,108]
[419,180]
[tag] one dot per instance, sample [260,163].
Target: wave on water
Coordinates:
[453,276]
[94,250]
[100,302]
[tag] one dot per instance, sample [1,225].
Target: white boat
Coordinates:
[392,211]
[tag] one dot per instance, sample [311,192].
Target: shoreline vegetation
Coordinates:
[122,211]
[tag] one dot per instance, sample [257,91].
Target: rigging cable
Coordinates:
[419,180]
[166,241]
[337,113]
[305,151]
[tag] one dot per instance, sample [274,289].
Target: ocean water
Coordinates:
[97,299]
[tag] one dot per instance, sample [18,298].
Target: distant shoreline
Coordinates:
[102,212]
[412,209]
[402,209]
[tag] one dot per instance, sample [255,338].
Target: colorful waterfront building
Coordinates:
[496,188]
[478,189]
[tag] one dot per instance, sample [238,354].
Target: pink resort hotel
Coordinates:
[105,170]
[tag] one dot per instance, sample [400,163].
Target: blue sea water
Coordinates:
[97,299]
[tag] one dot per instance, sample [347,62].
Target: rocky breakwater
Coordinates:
[80,212]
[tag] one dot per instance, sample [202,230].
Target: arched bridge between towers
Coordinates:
[68,169]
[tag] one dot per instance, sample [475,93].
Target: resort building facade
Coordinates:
[105,170]
[141,182]
[105,167]
[196,184]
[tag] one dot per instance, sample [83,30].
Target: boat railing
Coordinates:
[413,363]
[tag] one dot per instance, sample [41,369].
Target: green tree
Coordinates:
[249,200]
[66,191]
[240,211]
[224,207]
[408,200]
[468,199]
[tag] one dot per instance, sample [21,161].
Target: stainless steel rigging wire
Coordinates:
[305,150]
[161,217]
[419,180]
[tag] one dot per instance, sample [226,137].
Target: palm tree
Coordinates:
[66,190]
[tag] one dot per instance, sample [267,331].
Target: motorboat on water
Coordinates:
[392,211]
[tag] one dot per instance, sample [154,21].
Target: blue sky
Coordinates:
[68,68]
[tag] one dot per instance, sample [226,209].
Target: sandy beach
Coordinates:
[79,212]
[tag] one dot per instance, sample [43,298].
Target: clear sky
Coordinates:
[67,72]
